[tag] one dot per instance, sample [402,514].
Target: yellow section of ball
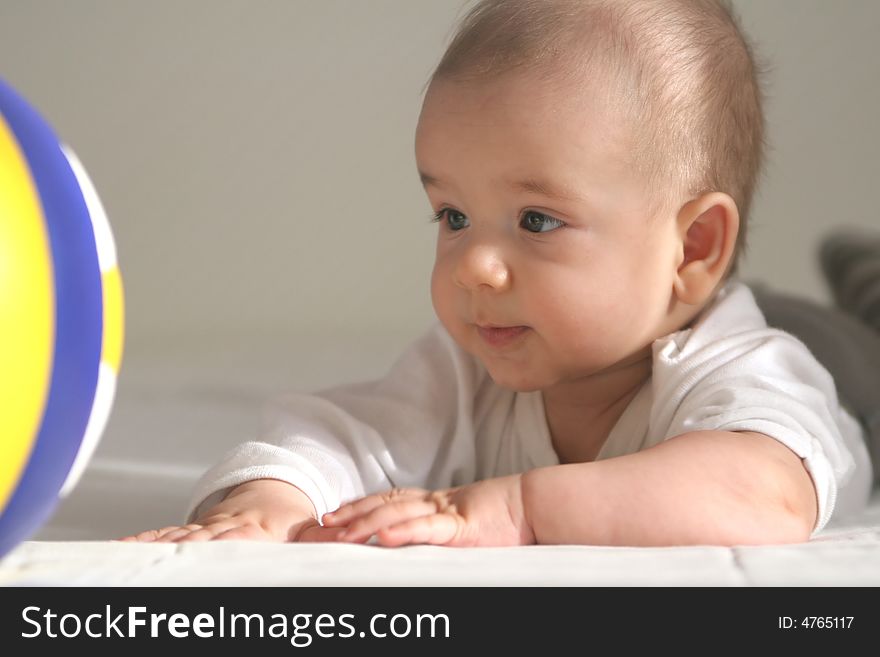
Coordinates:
[114,319]
[27,313]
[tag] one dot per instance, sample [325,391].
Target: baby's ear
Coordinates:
[708,227]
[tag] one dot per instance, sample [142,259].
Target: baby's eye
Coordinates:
[538,222]
[455,220]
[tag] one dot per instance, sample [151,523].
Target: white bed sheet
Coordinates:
[846,555]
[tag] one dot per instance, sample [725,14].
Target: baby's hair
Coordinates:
[680,71]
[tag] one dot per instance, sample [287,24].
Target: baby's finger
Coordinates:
[144,537]
[387,515]
[436,529]
[318,534]
[245,532]
[206,533]
[151,535]
[346,513]
[180,532]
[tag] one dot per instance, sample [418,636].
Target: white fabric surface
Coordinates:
[842,555]
[438,420]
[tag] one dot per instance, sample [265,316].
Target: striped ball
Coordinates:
[61,319]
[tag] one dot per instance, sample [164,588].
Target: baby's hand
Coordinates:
[485,513]
[260,510]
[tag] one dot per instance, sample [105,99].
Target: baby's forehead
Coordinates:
[522,119]
[536,96]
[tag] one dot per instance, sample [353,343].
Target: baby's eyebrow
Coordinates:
[428,179]
[544,188]
[529,185]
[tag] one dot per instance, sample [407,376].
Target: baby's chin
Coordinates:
[518,377]
[516,381]
[517,386]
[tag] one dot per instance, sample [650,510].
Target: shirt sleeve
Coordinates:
[413,427]
[760,380]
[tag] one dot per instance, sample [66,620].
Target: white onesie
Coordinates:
[438,420]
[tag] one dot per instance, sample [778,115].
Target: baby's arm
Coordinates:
[263,509]
[705,487]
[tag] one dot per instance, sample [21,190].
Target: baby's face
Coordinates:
[548,267]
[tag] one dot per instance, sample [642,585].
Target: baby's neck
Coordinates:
[580,414]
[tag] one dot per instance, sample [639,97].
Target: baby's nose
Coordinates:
[482,266]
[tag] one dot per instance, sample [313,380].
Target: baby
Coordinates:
[597,375]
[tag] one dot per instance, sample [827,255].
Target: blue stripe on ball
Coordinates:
[79,323]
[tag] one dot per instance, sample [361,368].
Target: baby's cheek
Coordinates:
[597,326]
[439,291]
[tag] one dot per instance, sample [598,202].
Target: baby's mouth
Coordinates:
[501,336]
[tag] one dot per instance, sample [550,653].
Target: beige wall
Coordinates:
[823,104]
[256,158]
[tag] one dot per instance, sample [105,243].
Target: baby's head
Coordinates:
[621,139]
[677,74]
